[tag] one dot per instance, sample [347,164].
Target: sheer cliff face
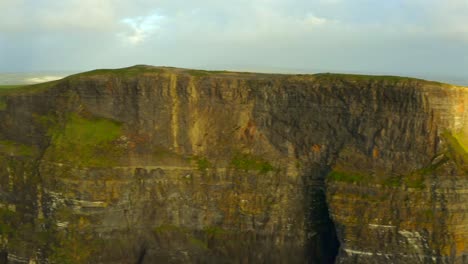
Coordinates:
[162,165]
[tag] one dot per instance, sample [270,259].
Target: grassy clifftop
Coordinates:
[137,70]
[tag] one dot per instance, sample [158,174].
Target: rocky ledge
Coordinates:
[164,165]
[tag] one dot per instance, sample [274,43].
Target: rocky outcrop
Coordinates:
[163,165]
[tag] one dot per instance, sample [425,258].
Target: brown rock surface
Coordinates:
[163,165]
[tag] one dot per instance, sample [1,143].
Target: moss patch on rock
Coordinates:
[350,177]
[75,244]
[3,104]
[457,149]
[14,148]
[203,163]
[249,162]
[7,217]
[86,142]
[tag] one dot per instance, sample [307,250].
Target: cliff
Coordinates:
[164,165]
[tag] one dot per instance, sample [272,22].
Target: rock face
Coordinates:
[162,165]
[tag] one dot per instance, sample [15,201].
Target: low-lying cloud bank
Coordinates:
[41,79]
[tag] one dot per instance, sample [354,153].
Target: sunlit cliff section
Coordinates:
[165,165]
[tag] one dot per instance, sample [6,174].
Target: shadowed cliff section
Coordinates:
[156,164]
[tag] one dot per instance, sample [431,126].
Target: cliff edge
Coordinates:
[164,165]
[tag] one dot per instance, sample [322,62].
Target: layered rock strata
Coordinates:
[163,165]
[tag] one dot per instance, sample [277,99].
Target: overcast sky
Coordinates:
[406,37]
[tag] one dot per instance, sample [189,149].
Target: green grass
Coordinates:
[133,71]
[7,217]
[350,177]
[198,243]
[201,73]
[86,141]
[455,143]
[27,89]
[462,141]
[17,149]
[75,245]
[248,162]
[203,163]
[169,229]
[214,231]
[11,86]
[361,77]
[162,153]
[123,72]
[91,131]
[3,104]
[432,167]
[393,181]
[198,73]
[415,180]
[457,149]
[428,214]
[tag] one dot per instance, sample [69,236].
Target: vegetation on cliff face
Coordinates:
[349,177]
[74,244]
[225,203]
[414,179]
[457,149]
[3,104]
[203,163]
[13,148]
[248,162]
[85,141]
[7,216]
[462,141]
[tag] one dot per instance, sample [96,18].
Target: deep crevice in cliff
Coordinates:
[322,245]
[331,237]
[141,256]
[3,257]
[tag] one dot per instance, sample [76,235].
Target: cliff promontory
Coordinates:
[164,165]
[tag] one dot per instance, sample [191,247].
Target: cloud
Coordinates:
[41,79]
[451,18]
[360,35]
[48,15]
[314,20]
[141,27]
[77,14]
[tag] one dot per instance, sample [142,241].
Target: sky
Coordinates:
[425,38]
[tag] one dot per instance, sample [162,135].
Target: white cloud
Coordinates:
[77,14]
[78,34]
[141,27]
[41,79]
[333,2]
[49,15]
[314,20]
[447,19]
[451,18]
